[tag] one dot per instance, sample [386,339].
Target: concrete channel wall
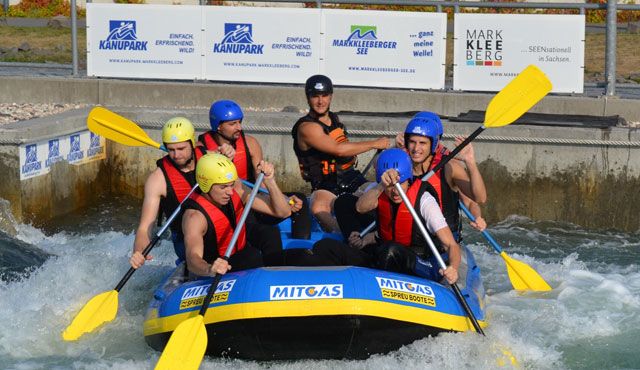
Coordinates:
[581,175]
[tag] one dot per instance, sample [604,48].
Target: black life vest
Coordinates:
[317,167]
[242,159]
[178,185]
[395,222]
[221,224]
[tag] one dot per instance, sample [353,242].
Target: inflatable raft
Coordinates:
[277,313]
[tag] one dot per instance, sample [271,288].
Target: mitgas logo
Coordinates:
[238,39]
[75,153]
[94,145]
[287,292]
[31,163]
[54,153]
[362,38]
[122,36]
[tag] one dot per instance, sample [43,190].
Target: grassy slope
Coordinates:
[54,45]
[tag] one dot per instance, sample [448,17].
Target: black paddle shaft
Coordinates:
[454,152]
[467,309]
[146,251]
[212,289]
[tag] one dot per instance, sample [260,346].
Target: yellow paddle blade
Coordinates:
[515,99]
[523,276]
[114,127]
[186,346]
[100,309]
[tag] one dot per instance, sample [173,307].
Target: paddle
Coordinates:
[103,307]
[441,263]
[514,100]
[521,275]
[188,341]
[113,126]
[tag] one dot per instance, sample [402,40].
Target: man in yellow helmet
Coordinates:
[211,216]
[168,185]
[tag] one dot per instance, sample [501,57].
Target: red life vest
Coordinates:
[176,178]
[242,159]
[398,227]
[219,227]
[178,184]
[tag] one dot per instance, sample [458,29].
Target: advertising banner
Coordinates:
[385,49]
[261,44]
[81,147]
[144,41]
[490,49]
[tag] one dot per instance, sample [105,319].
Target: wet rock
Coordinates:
[59,21]
[24,47]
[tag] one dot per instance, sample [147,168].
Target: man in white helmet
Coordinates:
[167,186]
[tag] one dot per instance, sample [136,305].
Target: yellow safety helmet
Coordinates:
[214,168]
[177,130]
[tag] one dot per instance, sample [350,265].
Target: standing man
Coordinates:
[211,217]
[326,157]
[167,186]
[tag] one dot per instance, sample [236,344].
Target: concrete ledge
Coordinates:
[164,94]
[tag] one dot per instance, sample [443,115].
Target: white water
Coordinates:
[590,320]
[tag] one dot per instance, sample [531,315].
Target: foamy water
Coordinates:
[591,319]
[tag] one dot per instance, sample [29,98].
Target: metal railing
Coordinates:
[611,25]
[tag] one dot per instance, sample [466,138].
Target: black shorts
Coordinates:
[345,183]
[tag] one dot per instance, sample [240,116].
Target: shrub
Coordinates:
[41,9]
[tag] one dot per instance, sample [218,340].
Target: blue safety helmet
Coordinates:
[397,159]
[427,127]
[224,110]
[433,116]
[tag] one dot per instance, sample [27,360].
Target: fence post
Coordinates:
[74,37]
[5,6]
[610,54]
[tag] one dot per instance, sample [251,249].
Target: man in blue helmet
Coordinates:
[227,137]
[326,157]
[225,117]
[460,179]
[400,244]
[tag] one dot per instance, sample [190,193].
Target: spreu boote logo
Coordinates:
[238,39]
[122,36]
[362,38]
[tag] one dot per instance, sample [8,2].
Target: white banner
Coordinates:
[81,147]
[490,49]
[261,44]
[144,41]
[386,49]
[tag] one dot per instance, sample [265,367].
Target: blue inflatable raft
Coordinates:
[277,313]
